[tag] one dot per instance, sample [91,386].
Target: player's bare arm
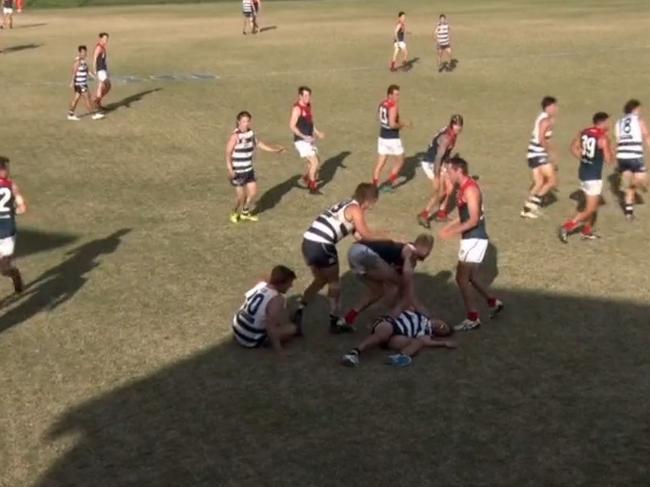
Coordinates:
[96,54]
[75,66]
[544,126]
[644,132]
[576,147]
[278,149]
[429,341]
[354,214]
[608,151]
[274,312]
[473,197]
[230,147]
[21,204]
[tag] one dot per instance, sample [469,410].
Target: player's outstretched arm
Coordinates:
[576,147]
[270,148]
[21,204]
[437,342]
[362,232]
[293,123]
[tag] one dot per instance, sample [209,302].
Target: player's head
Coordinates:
[401,16]
[304,94]
[366,195]
[632,106]
[103,38]
[440,329]
[393,92]
[4,167]
[423,245]
[82,50]
[442,19]
[244,120]
[282,278]
[549,105]
[456,123]
[457,169]
[600,120]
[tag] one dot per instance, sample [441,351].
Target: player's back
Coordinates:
[630,137]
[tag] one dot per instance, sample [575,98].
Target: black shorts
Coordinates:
[248,15]
[81,89]
[319,255]
[632,165]
[535,162]
[243,179]
[446,46]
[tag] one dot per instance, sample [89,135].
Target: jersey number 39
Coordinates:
[588,147]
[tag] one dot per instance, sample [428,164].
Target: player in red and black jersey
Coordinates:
[399,42]
[591,147]
[304,136]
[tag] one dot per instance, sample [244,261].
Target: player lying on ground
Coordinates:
[259,321]
[407,334]
[591,147]
[79,84]
[386,268]
[240,153]
[12,203]
[305,134]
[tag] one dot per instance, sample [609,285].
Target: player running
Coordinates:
[240,153]
[259,321]
[406,334]
[319,249]
[399,43]
[631,132]
[443,43]
[434,167]
[79,83]
[470,225]
[591,147]
[540,156]
[100,70]
[12,203]
[389,143]
[8,14]
[386,268]
[304,135]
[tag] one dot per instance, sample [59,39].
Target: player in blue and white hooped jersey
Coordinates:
[259,320]
[407,334]
[240,153]
[631,134]
[12,203]
[443,44]
[347,217]
[79,85]
[248,11]
[540,159]
[399,42]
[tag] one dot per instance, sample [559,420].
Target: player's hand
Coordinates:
[320,135]
[308,138]
[231,175]
[408,124]
[281,150]
[71,84]
[451,344]
[446,233]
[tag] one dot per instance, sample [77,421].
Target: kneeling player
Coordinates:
[407,334]
[591,147]
[259,320]
[11,204]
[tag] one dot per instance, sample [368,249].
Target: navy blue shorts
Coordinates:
[535,162]
[243,179]
[632,165]
[319,255]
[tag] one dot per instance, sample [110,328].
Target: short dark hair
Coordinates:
[81,48]
[281,274]
[548,101]
[302,89]
[631,105]
[366,192]
[424,239]
[442,16]
[599,117]
[401,13]
[392,89]
[4,162]
[457,162]
[243,114]
[103,34]
[456,119]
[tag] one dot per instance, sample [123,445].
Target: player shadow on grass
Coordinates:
[21,47]
[538,382]
[329,167]
[29,26]
[274,195]
[409,169]
[126,102]
[408,65]
[31,241]
[60,283]
[268,28]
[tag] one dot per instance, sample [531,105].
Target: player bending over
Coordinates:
[406,334]
[591,147]
[433,165]
[79,83]
[631,132]
[540,159]
[12,203]
[399,42]
[259,321]
[470,225]
[386,268]
[304,135]
[320,254]
[240,152]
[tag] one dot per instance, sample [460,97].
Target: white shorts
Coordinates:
[593,187]
[428,168]
[472,250]
[390,147]
[306,149]
[7,246]
[102,75]
[400,45]
[7,11]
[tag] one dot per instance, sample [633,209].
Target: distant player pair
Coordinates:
[251,11]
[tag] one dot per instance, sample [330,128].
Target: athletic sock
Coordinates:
[351,316]
[628,209]
[570,225]
[312,184]
[375,181]
[587,230]
[472,315]
[492,302]
[355,351]
[424,214]
[392,177]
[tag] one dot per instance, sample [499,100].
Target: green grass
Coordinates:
[93,3]
[117,367]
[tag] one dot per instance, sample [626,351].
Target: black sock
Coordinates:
[629,209]
[355,351]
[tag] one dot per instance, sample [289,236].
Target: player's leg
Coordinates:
[379,167]
[249,201]
[107,87]
[73,106]
[337,323]
[381,333]
[287,331]
[405,55]
[398,164]
[313,163]
[440,53]
[589,217]
[374,292]
[240,199]
[7,266]
[424,217]
[534,201]
[394,58]
[463,280]
[638,181]
[444,195]
[550,180]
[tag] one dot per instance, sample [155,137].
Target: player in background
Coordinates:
[541,159]
[389,143]
[240,153]
[399,42]
[248,10]
[20,6]
[12,203]
[8,14]
[470,225]
[79,84]
[257,6]
[434,167]
[304,135]
[406,334]
[591,147]
[320,254]
[631,133]
[443,43]
[259,320]
[100,70]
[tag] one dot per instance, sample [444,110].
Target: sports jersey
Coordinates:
[592,157]
[479,230]
[385,130]
[432,150]
[535,148]
[331,226]
[630,138]
[7,209]
[305,123]
[249,323]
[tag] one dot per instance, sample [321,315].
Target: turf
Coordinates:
[117,366]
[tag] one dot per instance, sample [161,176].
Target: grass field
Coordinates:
[117,367]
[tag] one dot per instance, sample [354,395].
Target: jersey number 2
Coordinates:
[5,198]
